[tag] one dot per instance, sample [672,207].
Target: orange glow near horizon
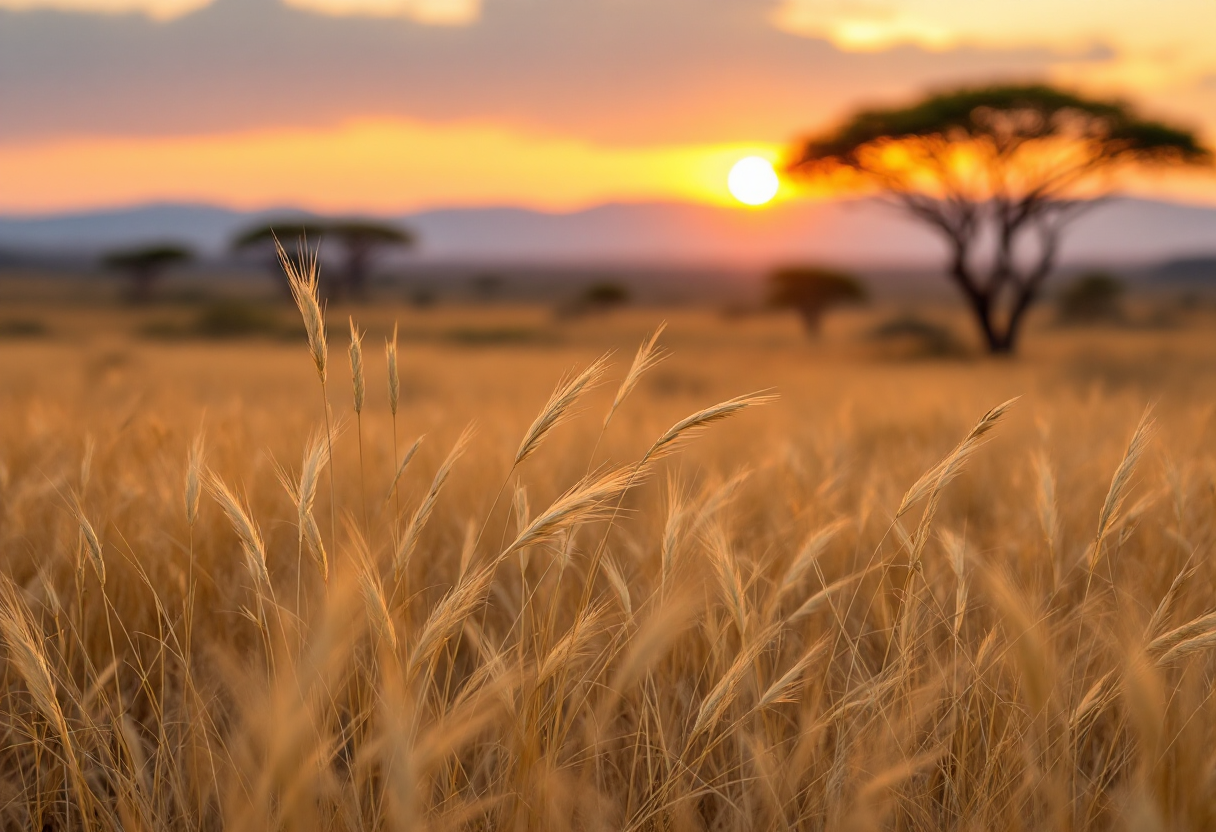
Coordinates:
[384,167]
[375,166]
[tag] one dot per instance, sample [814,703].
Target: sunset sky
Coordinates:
[395,105]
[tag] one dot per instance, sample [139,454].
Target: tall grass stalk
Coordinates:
[304,280]
[359,392]
[193,487]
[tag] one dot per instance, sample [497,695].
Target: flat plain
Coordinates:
[865,599]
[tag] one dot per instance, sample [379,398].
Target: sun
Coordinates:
[753,181]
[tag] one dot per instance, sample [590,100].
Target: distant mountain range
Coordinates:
[1125,232]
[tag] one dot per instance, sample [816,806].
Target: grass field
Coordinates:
[864,604]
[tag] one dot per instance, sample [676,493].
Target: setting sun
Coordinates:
[753,181]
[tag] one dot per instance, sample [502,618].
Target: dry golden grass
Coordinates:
[882,600]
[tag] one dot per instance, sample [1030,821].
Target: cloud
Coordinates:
[1144,46]
[606,71]
[430,12]
[155,9]
[942,24]
[427,12]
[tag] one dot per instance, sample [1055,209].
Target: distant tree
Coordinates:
[812,291]
[1095,296]
[1004,168]
[146,265]
[359,241]
[605,295]
[293,233]
[487,286]
[601,296]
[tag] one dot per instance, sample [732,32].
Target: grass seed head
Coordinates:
[302,277]
[1119,483]
[356,365]
[92,544]
[410,539]
[250,537]
[194,474]
[559,407]
[690,426]
[647,357]
[394,378]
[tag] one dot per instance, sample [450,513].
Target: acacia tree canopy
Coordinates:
[358,239]
[998,171]
[145,264]
[812,291]
[148,256]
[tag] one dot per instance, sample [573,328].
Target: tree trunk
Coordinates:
[142,281]
[1005,344]
[985,297]
[985,303]
[812,320]
[981,303]
[275,269]
[1028,291]
[1026,295]
[357,264]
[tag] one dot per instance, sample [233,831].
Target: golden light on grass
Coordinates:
[905,612]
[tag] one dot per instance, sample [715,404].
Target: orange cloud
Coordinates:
[430,12]
[156,9]
[366,165]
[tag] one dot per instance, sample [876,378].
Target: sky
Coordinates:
[393,105]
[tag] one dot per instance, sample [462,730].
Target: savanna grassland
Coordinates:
[887,598]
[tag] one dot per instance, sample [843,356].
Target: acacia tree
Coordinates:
[295,235]
[998,172]
[359,241]
[146,265]
[811,291]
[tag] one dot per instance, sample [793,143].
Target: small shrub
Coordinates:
[1095,297]
[221,319]
[423,297]
[231,319]
[467,336]
[22,328]
[596,298]
[909,336]
[487,287]
[605,295]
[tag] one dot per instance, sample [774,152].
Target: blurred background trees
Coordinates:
[358,240]
[812,291]
[144,266]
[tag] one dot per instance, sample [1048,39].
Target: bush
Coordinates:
[222,319]
[1091,298]
[22,328]
[909,336]
[598,297]
[606,294]
[232,318]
